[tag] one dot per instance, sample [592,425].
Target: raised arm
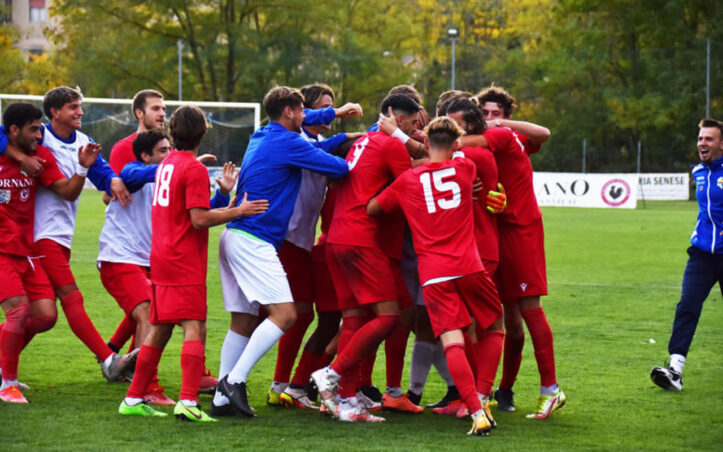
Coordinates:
[534,133]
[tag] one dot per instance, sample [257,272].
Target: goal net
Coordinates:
[110,120]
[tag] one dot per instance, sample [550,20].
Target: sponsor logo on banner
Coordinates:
[615,192]
[586,190]
[664,186]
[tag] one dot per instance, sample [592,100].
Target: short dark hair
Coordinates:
[187,126]
[20,114]
[146,141]
[406,90]
[710,122]
[400,103]
[447,97]
[57,97]
[280,97]
[139,100]
[471,114]
[312,93]
[442,132]
[499,96]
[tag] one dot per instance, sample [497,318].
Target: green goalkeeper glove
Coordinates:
[497,200]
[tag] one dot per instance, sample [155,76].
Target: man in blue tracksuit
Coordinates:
[705,264]
[251,273]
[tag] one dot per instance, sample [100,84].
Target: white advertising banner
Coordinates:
[586,190]
[664,186]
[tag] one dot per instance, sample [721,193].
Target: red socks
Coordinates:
[394,347]
[289,345]
[462,376]
[192,367]
[126,329]
[541,336]
[146,368]
[36,325]
[350,378]
[512,359]
[11,340]
[82,326]
[489,346]
[308,363]
[365,341]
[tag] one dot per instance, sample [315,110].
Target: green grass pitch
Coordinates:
[614,281]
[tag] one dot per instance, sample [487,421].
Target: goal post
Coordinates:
[107,121]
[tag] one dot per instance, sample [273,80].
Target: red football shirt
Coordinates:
[374,159]
[515,173]
[436,198]
[17,202]
[485,222]
[179,252]
[122,153]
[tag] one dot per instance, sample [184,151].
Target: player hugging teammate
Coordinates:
[461,189]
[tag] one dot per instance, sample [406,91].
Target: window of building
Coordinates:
[38,11]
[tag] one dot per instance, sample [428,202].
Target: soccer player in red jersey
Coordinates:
[150,111]
[26,295]
[181,218]
[436,199]
[360,270]
[522,276]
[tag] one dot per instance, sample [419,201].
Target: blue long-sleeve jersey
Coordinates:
[136,174]
[317,117]
[271,170]
[708,233]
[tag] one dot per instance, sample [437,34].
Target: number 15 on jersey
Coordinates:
[435,179]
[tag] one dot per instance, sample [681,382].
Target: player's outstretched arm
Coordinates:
[70,189]
[467,141]
[204,218]
[349,109]
[534,133]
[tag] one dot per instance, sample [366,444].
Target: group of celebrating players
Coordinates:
[426,226]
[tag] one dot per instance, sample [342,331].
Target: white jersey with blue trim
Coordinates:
[126,234]
[302,224]
[54,216]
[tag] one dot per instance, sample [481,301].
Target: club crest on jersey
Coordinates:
[523,286]
[24,194]
[4,196]
[719,182]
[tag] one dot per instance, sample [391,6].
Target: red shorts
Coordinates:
[171,304]
[297,265]
[403,298]
[129,284]
[522,271]
[361,275]
[451,303]
[55,259]
[326,300]
[18,277]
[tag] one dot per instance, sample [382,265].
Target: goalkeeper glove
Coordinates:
[497,200]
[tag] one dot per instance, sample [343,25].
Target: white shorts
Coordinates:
[251,273]
[410,272]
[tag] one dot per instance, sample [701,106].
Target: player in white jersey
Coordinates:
[55,220]
[125,245]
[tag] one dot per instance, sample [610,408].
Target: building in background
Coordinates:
[31,17]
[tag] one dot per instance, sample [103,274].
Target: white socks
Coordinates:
[232,348]
[263,338]
[549,390]
[677,362]
[422,354]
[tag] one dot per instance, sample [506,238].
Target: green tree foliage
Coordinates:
[613,73]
